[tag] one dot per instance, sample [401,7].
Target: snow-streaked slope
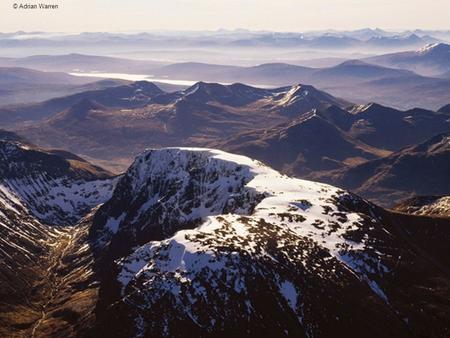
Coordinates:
[48,186]
[22,234]
[60,200]
[23,243]
[201,234]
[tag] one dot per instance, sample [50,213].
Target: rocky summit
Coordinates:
[203,243]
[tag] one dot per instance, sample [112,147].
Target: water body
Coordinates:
[135,77]
[143,77]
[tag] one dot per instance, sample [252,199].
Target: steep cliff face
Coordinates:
[198,242]
[166,191]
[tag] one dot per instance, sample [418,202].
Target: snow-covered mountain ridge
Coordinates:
[213,242]
[306,208]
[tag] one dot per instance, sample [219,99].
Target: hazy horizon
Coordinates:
[201,15]
[230,30]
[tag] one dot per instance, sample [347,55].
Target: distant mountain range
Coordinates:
[237,47]
[22,85]
[200,115]
[80,63]
[432,60]
[298,130]
[309,143]
[112,95]
[368,39]
[344,147]
[354,80]
[386,79]
[416,170]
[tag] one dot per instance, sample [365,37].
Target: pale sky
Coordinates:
[276,15]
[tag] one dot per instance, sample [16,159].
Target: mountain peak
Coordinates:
[354,62]
[368,108]
[296,93]
[278,66]
[413,36]
[233,95]
[301,98]
[80,111]
[147,87]
[199,86]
